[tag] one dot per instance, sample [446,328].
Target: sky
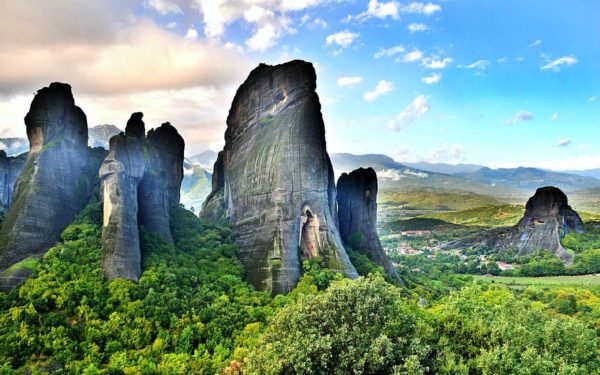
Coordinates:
[498,83]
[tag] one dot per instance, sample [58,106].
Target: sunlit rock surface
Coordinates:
[274,168]
[55,182]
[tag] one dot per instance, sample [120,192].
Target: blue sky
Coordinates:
[499,83]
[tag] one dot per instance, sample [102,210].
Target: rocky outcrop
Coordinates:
[140,182]
[53,185]
[273,170]
[357,216]
[10,168]
[547,219]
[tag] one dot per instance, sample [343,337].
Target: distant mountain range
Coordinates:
[504,182]
[585,172]
[445,168]
[205,159]
[14,146]
[100,135]
[530,178]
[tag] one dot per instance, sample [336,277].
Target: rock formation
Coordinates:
[357,216]
[53,185]
[10,168]
[140,179]
[274,169]
[547,219]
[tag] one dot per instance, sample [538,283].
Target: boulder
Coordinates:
[357,216]
[54,184]
[273,168]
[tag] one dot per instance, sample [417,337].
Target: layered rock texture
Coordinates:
[547,219]
[53,185]
[274,181]
[140,181]
[357,216]
[10,168]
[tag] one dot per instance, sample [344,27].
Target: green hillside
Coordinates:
[486,216]
[432,199]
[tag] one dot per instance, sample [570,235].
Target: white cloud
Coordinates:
[379,10]
[387,52]
[164,6]
[412,56]
[431,79]
[393,9]
[502,60]
[591,99]
[349,81]
[342,38]
[187,83]
[316,23]
[556,65]
[416,27]
[171,25]
[382,88]
[536,43]
[421,8]
[191,34]
[432,63]
[564,142]
[264,38]
[416,109]
[479,64]
[293,5]
[269,18]
[554,116]
[519,117]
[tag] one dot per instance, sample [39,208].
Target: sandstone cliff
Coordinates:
[274,181]
[547,219]
[357,213]
[53,185]
[140,178]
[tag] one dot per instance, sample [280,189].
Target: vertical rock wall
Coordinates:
[273,167]
[141,178]
[357,213]
[52,187]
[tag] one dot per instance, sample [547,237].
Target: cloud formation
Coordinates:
[431,79]
[382,88]
[348,81]
[343,38]
[387,52]
[556,65]
[416,27]
[415,110]
[564,142]
[519,117]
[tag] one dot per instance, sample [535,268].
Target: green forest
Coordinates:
[191,312]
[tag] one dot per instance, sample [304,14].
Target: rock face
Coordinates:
[273,170]
[547,219]
[140,181]
[10,168]
[52,187]
[357,214]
